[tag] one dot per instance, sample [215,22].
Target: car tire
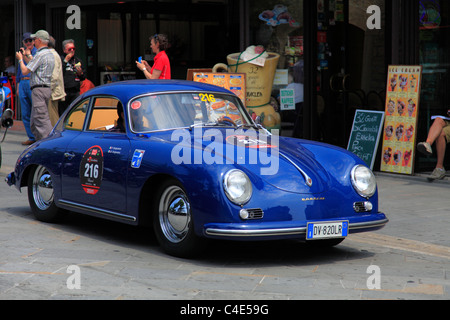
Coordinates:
[41,195]
[173,221]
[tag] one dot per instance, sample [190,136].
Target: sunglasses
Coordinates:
[71,49]
[155,37]
[28,40]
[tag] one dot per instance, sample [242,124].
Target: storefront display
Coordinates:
[278,26]
[260,71]
[113,76]
[345,60]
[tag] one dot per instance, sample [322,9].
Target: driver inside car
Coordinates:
[120,122]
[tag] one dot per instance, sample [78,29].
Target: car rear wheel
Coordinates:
[41,196]
[173,221]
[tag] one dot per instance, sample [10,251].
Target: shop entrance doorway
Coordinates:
[347,77]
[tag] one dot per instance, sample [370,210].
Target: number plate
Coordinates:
[327,230]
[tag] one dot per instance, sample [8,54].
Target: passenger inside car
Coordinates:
[140,115]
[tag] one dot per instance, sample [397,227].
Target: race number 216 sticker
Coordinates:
[91,170]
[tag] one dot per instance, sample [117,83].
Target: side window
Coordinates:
[75,119]
[105,115]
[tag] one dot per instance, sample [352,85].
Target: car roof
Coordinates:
[125,90]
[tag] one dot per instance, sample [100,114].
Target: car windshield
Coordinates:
[179,110]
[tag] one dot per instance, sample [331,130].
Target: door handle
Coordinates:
[332,82]
[335,82]
[69,155]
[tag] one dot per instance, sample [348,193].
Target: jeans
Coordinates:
[25,106]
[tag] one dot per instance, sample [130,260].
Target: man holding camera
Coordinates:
[41,69]
[23,84]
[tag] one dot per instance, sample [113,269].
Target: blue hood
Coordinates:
[284,163]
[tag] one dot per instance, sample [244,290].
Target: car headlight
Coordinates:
[237,186]
[364,181]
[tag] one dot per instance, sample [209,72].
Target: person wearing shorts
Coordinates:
[439,133]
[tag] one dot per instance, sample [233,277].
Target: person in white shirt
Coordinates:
[57,84]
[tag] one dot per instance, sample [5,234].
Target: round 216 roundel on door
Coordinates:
[91,170]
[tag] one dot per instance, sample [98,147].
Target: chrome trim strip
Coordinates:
[97,211]
[285,231]
[256,233]
[308,180]
[372,224]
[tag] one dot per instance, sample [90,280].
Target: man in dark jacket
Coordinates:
[73,74]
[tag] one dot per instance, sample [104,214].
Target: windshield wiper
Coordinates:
[210,124]
[202,124]
[226,124]
[250,125]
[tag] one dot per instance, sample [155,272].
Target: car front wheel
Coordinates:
[173,221]
[41,196]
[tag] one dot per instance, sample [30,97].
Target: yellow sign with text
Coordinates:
[400,126]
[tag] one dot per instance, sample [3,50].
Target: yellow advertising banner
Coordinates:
[400,125]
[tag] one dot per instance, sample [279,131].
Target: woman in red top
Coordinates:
[161,66]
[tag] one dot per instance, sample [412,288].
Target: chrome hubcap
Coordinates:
[174,214]
[42,188]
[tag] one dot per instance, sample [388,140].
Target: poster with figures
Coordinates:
[235,82]
[400,126]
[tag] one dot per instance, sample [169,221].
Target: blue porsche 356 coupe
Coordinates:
[187,158]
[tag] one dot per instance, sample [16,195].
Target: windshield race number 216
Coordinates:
[207,97]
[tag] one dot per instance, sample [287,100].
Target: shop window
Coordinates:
[114,47]
[434,35]
[434,42]
[278,26]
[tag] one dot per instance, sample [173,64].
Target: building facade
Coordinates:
[344,46]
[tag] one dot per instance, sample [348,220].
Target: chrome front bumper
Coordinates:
[300,232]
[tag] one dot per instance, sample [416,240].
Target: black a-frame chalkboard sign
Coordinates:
[365,135]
